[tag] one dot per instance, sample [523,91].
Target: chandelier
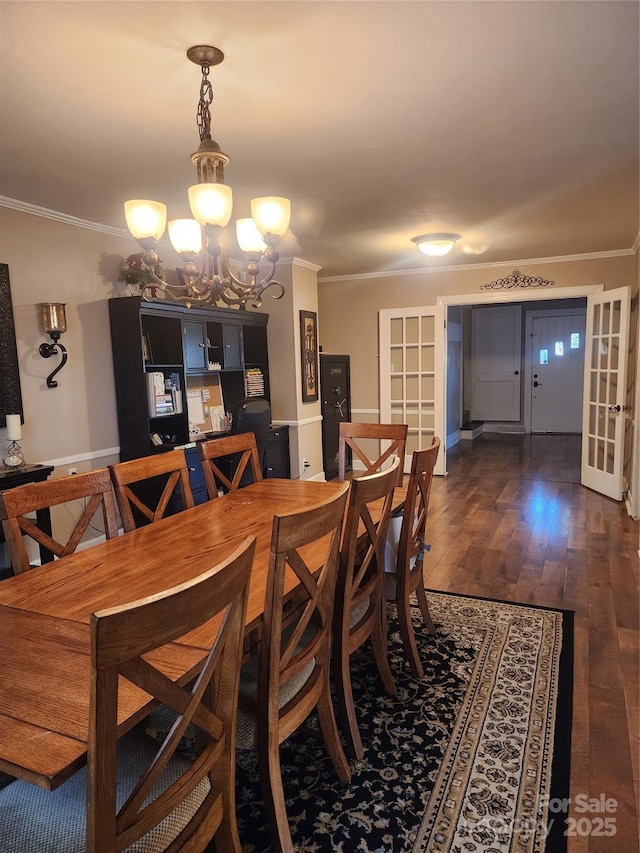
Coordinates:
[201,241]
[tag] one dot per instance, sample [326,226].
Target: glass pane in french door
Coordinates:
[408,376]
[604,418]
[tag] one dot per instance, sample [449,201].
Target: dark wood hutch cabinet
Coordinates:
[181,347]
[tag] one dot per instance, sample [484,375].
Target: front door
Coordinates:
[607,347]
[336,407]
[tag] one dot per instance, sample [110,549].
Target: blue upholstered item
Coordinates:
[33,820]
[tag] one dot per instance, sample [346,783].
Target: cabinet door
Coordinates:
[276,455]
[232,354]
[195,345]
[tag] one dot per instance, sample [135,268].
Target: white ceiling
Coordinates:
[514,124]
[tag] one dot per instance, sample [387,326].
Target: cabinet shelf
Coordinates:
[150,366]
[152,337]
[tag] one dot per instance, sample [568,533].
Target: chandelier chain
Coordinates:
[204,104]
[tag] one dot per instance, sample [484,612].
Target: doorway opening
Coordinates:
[454,306]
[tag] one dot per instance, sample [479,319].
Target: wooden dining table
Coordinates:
[45,662]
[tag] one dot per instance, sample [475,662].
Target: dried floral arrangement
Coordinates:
[132,271]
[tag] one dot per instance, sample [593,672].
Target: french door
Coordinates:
[412,376]
[412,366]
[603,426]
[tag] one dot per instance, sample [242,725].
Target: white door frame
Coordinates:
[497,297]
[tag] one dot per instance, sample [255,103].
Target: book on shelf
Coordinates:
[164,395]
[254,382]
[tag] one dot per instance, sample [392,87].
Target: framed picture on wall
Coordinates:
[10,393]
[309,353]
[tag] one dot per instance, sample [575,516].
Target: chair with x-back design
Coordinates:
[405,552]
[213,453]
[157,477]
[352,435]
[136,794]
[360,606]
[92,488]
[290,677]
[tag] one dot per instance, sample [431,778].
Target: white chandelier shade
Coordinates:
[271,215]
[185,236]
[146,219]
[249,238]
[211,204]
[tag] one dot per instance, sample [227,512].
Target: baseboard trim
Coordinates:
[471,430]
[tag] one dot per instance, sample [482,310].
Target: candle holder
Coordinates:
[54,323]
[13,455]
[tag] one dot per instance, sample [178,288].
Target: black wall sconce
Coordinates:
[54,323]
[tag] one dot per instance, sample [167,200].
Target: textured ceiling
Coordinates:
[514,124]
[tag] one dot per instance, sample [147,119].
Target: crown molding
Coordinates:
[65,219]
[588,256]
[299,262]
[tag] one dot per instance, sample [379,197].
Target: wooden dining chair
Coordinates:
[352,435]
[213,453]
[136,793]
[92,488]
[405,551]
[156,478]
[360,605]
[290,676]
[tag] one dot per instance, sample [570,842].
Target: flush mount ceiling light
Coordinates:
[436,245]
[201,241]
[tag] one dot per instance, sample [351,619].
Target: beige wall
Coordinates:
[75,424]
[349,309]
[54,262]
[348,321]
[285,365]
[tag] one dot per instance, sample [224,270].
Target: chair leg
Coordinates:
[406,632]
[424,606]
[227,838]
[273,794]
[380,649]
[331,735]
[345,707]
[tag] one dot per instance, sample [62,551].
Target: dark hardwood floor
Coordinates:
[511,521]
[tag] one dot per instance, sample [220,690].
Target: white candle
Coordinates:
[14,430]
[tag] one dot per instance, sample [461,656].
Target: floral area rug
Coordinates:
[465,759]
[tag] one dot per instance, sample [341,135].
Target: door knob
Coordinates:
[516,372]
[535,384]
[615,408]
